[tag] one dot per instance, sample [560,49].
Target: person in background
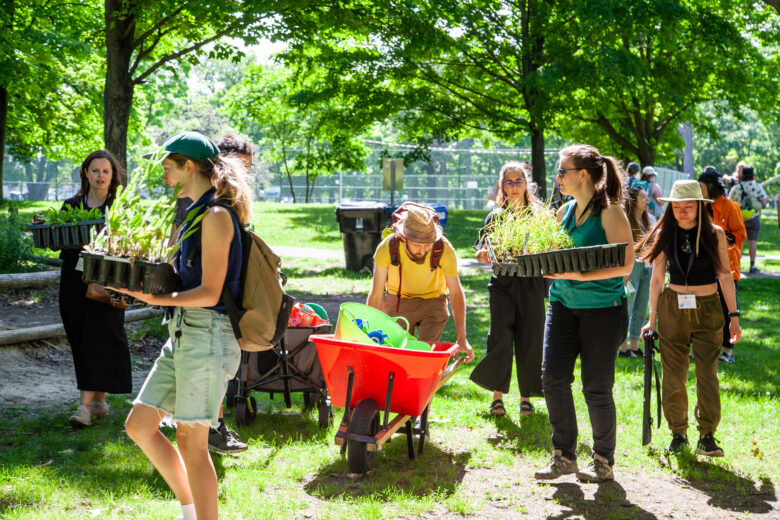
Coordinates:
[730,181]
[632,173]
[751,198]
[641,221]
[587,315]
[95,329]
[189,378]
[516,306]
[692,249]
[221,439]
[654,192]
[725,213]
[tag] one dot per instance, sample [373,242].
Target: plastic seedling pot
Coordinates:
[622,252]
[91,263]
[40,237]
[136,276]
[566,257]
[120,271]
[582,256]
[159,278]
[56,239]
[103,272]
[66,235]
[84,228]
[560,264]
[536,264]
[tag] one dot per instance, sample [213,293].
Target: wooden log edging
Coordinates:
[11,337]
[27,280]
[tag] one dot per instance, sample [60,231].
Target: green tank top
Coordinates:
[594,294]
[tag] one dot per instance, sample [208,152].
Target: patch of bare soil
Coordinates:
[29,307]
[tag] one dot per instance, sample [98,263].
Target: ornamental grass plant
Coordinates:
[515,233]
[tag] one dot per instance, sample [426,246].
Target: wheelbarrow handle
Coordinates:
[451,369]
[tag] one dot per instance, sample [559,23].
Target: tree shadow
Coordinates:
[277,426]
[435,472]
[529,433]
[726,489]
[609,501]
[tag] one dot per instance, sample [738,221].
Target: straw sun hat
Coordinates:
[417,223]
[683,191]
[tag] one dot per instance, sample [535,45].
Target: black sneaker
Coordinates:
[708,447]
[627,354]
[639,352]
[222,440]
[678,443]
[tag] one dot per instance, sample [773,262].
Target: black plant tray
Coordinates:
[576,259]
[64,236]
[131,274]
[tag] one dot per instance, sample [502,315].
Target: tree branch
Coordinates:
[156,27]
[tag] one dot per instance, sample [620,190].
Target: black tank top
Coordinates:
[702,270]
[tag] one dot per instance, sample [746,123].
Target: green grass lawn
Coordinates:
[293,470]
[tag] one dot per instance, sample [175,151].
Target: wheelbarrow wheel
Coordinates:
[365,421]
[324,412]
[246,410]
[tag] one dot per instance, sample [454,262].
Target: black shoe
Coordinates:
[678,443]
[627,354]
[708,447]
[638,352]
[222,440]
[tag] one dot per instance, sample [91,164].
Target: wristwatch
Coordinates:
[734,314]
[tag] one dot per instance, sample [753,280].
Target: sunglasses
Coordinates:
[509,184]
[562,171]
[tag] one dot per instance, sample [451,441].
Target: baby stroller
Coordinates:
[291,366]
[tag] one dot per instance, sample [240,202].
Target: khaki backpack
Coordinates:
[259,315]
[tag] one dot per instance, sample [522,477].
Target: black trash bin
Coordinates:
[361,225]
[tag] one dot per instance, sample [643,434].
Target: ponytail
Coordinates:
[229,176]
[604,172]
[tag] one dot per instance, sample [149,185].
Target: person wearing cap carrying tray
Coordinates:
[725,213]
[417,266]
[587,315]
[189,378]
[686,244]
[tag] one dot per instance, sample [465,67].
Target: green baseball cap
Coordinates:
[192,144]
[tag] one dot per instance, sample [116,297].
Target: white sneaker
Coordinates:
[99,409]
[81,417]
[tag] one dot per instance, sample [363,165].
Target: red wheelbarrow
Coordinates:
[359,377]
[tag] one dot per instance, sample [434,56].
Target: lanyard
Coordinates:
[677,261]
[574,211]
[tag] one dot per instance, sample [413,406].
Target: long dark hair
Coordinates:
[604,172]
[116,172]
[630,203]
[229,176]
[660,239]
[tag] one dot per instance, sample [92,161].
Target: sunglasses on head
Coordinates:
[510,183]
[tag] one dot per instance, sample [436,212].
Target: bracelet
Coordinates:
[734,314]
[653,312]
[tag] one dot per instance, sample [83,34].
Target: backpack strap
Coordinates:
[436,253]
[395,259]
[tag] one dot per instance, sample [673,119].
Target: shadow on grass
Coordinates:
[609,501]
[435,472]
[726,489]
[277,426]
[320,218]
[530,433]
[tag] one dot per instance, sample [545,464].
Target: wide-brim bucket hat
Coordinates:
[417,223]
[684,191]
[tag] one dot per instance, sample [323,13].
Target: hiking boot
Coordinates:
[559,465]
[726,358]
[81,418]
[598,470]
[99,409]
[222,440]
[708,447]
[678,443]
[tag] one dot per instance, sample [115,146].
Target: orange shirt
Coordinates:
[726,214]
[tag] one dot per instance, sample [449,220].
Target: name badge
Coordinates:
[686,301]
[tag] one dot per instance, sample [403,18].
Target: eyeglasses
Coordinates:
[562,171]
[509,184]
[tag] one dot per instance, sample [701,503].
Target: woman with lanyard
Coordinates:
[516,306]
[685,243]
[587,315]
[189,378]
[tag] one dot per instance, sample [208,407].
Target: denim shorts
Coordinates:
[189,378]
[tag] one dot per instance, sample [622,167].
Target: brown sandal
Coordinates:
[526,408]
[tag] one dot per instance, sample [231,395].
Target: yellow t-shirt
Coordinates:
[418,279]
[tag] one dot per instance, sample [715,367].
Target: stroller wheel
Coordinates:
[308,401]
[365,421]
[246,410]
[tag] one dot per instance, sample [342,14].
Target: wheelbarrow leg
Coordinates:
[409,441]
[390,379]
[423,430]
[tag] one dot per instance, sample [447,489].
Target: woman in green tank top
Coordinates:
[587,316]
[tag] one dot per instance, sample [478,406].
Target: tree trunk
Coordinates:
[686,131]
[3,123]
[537,161]
[646,154]
[118,91]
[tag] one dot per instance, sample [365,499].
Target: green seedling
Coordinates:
[70,215]
[526,232]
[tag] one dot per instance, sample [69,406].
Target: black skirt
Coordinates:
[96,335]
